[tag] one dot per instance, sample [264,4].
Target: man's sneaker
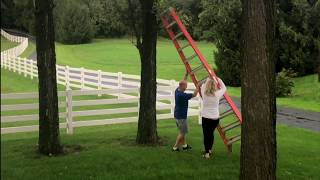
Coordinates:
[175,149]
[187,147]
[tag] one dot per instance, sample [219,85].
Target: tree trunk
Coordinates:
[49,137]
[258,140]
[147,124]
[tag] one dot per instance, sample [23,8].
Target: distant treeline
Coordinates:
[78,21]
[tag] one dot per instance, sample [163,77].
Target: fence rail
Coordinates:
[73,112]
[89,82]
[18,50]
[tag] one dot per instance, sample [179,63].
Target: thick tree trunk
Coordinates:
[147,124]
[258,140]
[49,137]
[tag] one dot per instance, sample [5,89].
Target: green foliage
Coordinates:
[73,24]
[219,22]
[298,33]
[284,83]
[299,26]
[108,17]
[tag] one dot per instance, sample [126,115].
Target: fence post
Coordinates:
[119,83]
[172,100]
[2,60]
[31,68]
[19,65]
[138,101]
[25,67]
[82,78]
[99,82]
[14,64]
[69,111]
[67,77]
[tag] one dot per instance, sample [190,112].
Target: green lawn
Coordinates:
[109,152]
[30,49]
[113,55]
[6,44]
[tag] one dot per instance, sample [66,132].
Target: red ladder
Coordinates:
[170,19]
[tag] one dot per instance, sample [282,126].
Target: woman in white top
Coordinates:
[211,94]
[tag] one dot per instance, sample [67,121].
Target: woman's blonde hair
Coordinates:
[211,87]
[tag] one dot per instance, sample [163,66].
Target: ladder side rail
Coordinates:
[203,60]
[177,46]
[191,41]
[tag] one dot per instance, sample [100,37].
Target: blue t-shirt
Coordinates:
[181,108]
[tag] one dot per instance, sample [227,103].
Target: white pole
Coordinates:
[19,64]
[31,68]
[82,78]
[99,82]
[69,112]
[67,77]
[119,83]
[14,64]
[25,67]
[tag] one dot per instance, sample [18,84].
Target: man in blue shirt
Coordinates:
[181,112]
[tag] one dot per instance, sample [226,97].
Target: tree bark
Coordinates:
[147,123]
[258,140]
[49,137]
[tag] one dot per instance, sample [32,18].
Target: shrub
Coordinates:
[73,24]
[284,83]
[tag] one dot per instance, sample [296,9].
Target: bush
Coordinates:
[284,83]
[220,23]
[73,24]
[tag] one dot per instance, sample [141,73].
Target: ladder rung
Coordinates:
[191,57]
[196,69]
[171,24]
[181,48]
[231,126]
[203,80]
[178,35]
[226,113]
[223,101]
[234,139]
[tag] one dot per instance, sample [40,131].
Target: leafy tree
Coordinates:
[220,22]
[73,23]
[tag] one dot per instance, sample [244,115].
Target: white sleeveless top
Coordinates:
[210,104]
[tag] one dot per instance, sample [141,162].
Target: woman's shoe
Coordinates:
[207,156]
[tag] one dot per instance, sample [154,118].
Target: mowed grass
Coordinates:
[120,55]
[6,44]
[29,51]
[109,152]
[114,55]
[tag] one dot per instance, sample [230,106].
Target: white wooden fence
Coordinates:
[27,112]
[18,50]
[90,82]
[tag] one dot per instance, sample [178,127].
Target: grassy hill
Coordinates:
[109,152]
[114,55]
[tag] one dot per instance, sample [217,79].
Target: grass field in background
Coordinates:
[6,44]
[120,55]
[109,152]
[113,55]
